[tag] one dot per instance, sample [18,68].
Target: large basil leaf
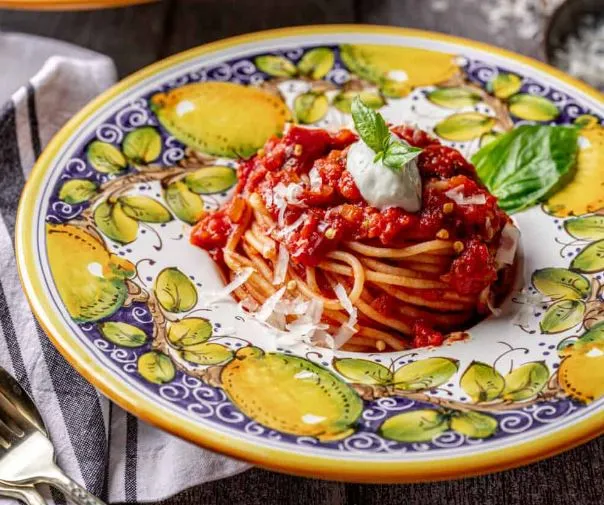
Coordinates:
[528,164]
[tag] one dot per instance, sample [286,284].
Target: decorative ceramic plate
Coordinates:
[106,262]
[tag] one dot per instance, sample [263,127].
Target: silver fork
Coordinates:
[25,494]
[26,454]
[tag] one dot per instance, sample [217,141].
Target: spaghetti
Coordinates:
[320,259]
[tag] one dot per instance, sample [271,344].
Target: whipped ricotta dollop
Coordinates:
[381,186]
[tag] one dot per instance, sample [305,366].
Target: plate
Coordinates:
[120,292]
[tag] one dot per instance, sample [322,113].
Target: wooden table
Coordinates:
[137,36]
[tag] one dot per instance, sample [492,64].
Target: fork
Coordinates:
[25,494]
[26,454]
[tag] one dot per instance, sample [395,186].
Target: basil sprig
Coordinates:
[528,164]
[371,127]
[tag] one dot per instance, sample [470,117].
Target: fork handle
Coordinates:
[25,494]
[71,489]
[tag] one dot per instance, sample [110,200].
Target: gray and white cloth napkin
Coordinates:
[110,452]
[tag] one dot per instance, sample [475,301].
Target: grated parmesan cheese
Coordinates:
[456,194]
[248,304]
[293,192]
[287,230]
[508,244]
[346,330]
[343,335]
[268,307]
[281,265]
[283,195]
[224,293]
[315,179]
[346,303]
[296,307]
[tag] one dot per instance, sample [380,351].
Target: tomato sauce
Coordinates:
[303,173]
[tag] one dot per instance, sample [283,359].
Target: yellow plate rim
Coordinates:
[276,459]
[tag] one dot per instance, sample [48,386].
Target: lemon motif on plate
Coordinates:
[584,193]
[581,372]
[208,117]
[291,394]
[90,280]
[396,70]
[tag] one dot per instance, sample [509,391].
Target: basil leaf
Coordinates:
[398,153]
[370,125]
[528,164]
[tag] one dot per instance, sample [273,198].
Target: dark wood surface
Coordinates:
[137,36]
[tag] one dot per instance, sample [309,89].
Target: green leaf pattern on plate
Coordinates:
[425,374]
[115,223]
[525,381]
[363,371]
[156,367]
[206,354]
[123,334]
[210,180]
[277,66]
[416,426]
[454,98]
[78,191]
[394,89]
[343,100]
[310,107]
[186,205]
[504,85]
[590,259]
[487,138]
[594,335]
[482,382]
[189,331]
[557,283]
[474,424]
[174,290]
[143,208]
[533,108]
[464,126]
[586,228]
[142,146]
[562,315]
[105,158]
[586,120]
[316,63]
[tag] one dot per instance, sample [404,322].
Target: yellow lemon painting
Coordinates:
[90,280]
[210,117]
[290,394]
[585,193]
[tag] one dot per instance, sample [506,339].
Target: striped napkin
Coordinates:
[110,452]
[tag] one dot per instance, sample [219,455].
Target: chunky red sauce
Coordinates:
[335,211]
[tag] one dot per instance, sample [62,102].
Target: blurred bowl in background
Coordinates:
[574,40]
[67,4]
